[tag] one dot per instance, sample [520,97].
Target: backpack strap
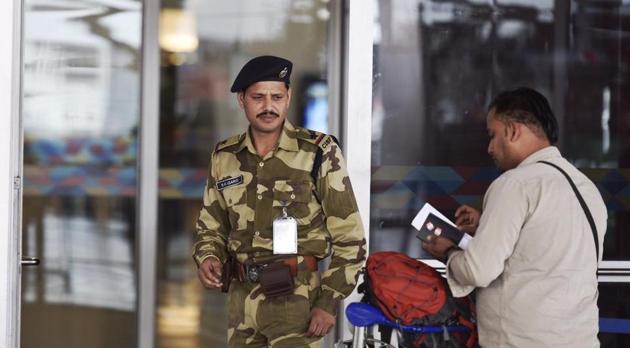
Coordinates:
[472,338]
[589,217]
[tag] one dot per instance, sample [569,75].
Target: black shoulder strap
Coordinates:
[334,138]
[589,217]
[317,162]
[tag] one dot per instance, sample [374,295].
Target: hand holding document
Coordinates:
[429,221]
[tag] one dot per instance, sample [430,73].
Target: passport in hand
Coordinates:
[433,225]
[429,221]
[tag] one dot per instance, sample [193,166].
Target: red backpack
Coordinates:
[410,292]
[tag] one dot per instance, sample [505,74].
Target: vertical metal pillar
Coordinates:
[148,167]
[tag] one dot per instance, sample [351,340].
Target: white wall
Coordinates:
[9,93]
[358,114]
[358,103]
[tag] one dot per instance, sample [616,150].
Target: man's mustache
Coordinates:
[268,113]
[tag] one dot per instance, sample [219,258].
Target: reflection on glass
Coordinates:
[197,111]
[316,106]
[437,66]
[80,114]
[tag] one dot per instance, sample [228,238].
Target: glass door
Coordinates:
[80,113]
[203,45]
[437,66]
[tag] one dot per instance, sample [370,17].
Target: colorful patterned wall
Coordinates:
[394,188]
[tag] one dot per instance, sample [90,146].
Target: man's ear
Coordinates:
[241,99]
[515,131]
[289,95]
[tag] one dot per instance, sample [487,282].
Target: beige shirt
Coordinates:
[533,258]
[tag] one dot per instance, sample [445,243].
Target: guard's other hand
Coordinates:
[467,219]
[321,323]
[209,273]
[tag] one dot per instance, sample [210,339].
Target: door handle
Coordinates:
[29,261]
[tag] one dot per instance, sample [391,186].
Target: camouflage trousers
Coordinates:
[280,322]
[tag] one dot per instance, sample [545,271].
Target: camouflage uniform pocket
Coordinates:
[295,195]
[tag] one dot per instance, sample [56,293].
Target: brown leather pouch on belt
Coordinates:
[226,274]
[276,280]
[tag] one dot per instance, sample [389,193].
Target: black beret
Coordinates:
[263,68]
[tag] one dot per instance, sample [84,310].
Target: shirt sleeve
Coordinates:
[504,213]
[345,227]
[212,225]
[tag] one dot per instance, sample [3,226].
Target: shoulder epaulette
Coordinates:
[320,139]
[222,145]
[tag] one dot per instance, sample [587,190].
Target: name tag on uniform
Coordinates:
[285,235]
[229,182]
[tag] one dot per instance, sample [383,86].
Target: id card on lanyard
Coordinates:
[284,234]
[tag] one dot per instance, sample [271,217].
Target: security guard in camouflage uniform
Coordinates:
[283,181]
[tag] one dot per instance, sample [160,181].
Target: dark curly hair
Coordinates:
[527,106]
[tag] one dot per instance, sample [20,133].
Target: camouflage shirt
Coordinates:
[246,192]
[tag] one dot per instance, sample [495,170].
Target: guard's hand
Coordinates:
[209,273]
[467,219]
[437,246]
[321,323]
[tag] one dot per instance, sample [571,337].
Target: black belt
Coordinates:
[250,272]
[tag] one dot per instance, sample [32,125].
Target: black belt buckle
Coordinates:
[252,272]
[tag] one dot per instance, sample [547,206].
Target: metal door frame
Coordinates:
[148,167]
[10,169]
[11,147]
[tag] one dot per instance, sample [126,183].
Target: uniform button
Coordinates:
[257,233]
[292,196]
[259,196]
[262,164]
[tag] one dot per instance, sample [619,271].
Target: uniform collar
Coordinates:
[287,141]
[546,153]
[246,142]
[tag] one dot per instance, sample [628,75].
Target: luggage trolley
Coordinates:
[364,316]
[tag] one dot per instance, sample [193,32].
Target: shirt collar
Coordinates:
[245,141]
[287,141]
[546,153]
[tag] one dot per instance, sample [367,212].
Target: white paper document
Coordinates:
[425,222]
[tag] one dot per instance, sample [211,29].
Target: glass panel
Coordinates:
[200,58]
[437,66]
[80,113]
[614,303]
